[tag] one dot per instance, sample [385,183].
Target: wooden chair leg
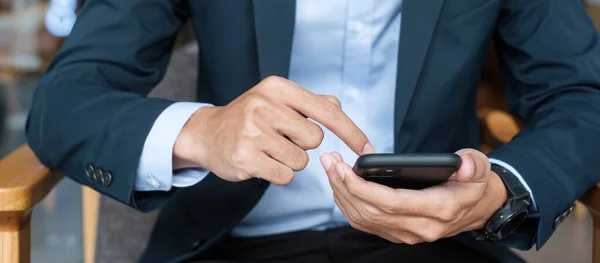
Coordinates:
[49,203]
[91,204]
[596,239]
[15,237]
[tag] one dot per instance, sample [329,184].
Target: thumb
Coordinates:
[329,161]
[474,167]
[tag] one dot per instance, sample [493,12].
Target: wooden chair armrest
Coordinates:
[591,199]
[594,13]
[24,182]
[497,127]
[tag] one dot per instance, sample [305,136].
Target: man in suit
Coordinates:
[244,175]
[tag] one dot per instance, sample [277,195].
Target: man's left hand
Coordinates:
[465,202]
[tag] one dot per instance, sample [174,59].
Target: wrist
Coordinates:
[494,198]
[190,146]
[179,163]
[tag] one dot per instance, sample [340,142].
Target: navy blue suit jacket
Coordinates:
[90,107]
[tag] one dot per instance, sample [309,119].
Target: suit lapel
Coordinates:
[274,24]
[419,19]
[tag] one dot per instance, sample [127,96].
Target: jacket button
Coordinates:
[106,178]
[89,172]
[98,175]
[560,218]
[197,244]
[568,212]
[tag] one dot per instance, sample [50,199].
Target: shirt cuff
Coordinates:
[511,169]
[155,169]
[188,177]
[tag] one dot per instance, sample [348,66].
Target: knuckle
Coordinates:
[273,81]
[431,234]
[256,102]
[261,109]
[242,176]
[334,100]
[301,160]
[396,240]
[283,177]
[316,136]
[313,144]
[249,131]
[445,215]
[411,241]
[287,179]
[330,111]
[240,156]
[447,210]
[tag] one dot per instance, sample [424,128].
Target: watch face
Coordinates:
[512,223]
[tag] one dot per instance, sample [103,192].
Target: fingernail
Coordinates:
[368,148]
[472,170]
[337,156]
[470,166]
[460,152]
[326,161]
[340,171]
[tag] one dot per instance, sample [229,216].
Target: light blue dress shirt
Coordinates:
[345,48]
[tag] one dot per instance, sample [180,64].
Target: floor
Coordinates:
[56,223]
[571,242]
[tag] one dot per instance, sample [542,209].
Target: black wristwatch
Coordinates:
[510,216]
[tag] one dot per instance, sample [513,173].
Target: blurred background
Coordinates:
[26,47]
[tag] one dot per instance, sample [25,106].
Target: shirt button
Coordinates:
[352,94]
[197,244]
[153,181]
[357,28]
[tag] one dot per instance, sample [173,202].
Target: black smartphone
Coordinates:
[408,171]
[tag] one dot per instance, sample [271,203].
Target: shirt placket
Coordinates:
[355,72]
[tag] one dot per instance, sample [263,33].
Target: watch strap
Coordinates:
[514,187]
[517,203]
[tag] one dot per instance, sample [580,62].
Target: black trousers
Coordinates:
[337,245]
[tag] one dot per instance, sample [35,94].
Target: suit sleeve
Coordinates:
[550,53]
[90,108]
[155,170]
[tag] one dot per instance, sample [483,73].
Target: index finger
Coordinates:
[329,114]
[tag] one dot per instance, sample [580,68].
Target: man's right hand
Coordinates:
[265,132]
